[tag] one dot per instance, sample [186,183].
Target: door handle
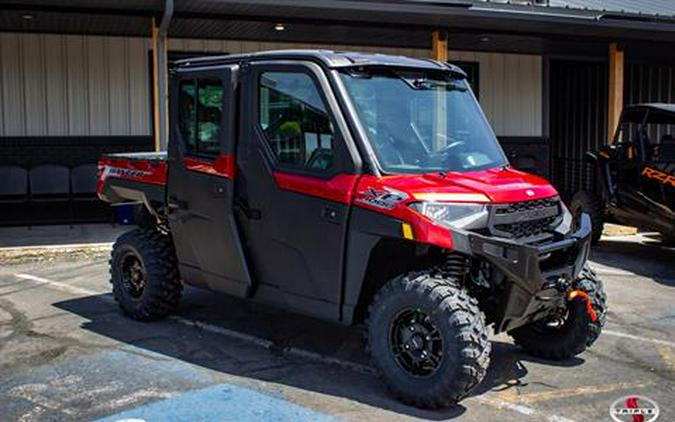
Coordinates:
[176,204]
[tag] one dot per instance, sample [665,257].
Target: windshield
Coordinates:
[420,122]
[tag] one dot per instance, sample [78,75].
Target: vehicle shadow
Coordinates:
[229,356]
[647,258]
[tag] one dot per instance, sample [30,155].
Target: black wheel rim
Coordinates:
[416,343]
[133,275]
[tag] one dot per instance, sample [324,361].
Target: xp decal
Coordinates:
[386,198]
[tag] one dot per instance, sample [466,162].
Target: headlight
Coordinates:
[449,214]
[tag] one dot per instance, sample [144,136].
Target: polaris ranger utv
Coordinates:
[358,188]
[635,174]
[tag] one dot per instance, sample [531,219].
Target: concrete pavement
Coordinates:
[66,353]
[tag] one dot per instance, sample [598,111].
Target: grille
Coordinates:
[524,219]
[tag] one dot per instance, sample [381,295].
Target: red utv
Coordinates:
[358,188]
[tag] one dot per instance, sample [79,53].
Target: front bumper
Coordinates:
[537,276]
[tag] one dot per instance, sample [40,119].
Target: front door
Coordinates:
[201,181]
[295,189]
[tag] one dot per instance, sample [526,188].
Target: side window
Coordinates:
[200,116]
[295,120]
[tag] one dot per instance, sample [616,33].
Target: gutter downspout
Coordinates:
[160,77]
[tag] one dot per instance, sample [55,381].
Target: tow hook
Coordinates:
[583,295]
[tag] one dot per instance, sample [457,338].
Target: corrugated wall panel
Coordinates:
[72,85]
[13,97]
[76,99]
[98,88]
[578,121]
[34,89]
[57,86]
[139,86]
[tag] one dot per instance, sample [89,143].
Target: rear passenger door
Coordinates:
[201,180]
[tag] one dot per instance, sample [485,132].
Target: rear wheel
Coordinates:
[570,331]
[591,204]
[144,275]
[427,338]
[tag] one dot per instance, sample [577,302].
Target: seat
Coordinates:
[49,182]
[50,196]
[13,194]
[83,182]
[13,184]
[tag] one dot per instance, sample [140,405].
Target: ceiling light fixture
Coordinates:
[28,17]
[279,27]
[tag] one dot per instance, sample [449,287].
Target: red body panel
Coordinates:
[340,188]
[223,166]
[492,186]
[136,170]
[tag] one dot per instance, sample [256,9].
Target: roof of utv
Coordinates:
[329,58]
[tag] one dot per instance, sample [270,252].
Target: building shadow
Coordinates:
[649,258]
[285,330]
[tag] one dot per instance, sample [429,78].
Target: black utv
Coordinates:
[635,174]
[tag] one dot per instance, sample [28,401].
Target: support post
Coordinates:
[616,86]
[439,43]
[160,78]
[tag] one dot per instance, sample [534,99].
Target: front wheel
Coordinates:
[573,329]
[427,339]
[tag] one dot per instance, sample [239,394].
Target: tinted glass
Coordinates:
[295,120]
[200,116]
[420,123]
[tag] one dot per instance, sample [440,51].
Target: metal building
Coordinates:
[79,78]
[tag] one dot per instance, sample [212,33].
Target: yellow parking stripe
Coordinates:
[667,355]
[579,391]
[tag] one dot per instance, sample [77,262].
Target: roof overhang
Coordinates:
[372,22]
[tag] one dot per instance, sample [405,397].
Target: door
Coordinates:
[201,181]
[295,189]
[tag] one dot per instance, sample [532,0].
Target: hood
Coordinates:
[501,185]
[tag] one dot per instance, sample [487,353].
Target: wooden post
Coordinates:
[439,45]
[439,51]
[615,104]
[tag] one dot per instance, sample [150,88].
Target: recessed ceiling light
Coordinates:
[279,27]
[485,38]
[28,17]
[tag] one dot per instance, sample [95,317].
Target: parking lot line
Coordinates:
[667,355]
[519,408]
[564,393]
[638,338]
[508,402]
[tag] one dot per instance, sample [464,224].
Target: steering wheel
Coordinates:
[453,143]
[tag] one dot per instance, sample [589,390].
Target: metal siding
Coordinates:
[100,85]
[98,71]
[139,86]
[13,97]
[76,99]
[578,107]
[34,85]
[57,83]
[118,87]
